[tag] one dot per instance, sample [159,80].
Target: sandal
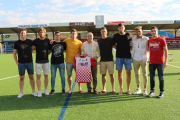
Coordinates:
[102,92]
[81,91]
[69,92]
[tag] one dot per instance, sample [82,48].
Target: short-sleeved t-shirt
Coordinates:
[41,50]
[24,50]
[123,45]
[156,50]
[72,49]
[57,52]
[105,46]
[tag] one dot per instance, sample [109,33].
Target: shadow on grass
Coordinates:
[83,99]
[11,102]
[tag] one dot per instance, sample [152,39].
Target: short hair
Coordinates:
[103,28]
[57,32]
[154,27]
[22,29]
[41,29]
[138,28]
[73,30]
[121,24]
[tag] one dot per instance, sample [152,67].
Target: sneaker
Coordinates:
[51,93]
[63,92]
[34,94]
[95,92]
[161,95]
[144,92]
[121,92]
[46,92]
[138,91]
[39,94]
[128,93]
[113,92]
[20,95]
[151,94]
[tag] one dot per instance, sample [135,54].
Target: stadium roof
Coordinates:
[11,30]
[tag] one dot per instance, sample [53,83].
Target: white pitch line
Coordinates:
[15,76]
[173,66]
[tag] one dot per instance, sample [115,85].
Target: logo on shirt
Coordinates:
[57,50]
[154,46]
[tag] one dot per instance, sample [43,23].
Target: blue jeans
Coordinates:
[152,70]
[61,68]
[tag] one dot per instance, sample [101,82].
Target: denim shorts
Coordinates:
[69,68]
[125,61]
[23,66]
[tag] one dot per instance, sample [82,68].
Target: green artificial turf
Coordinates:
[89,106]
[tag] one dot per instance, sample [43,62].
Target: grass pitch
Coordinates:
[88,106]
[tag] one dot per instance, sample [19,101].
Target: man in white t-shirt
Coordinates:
[140,57]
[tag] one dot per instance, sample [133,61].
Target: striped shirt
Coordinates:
[91,49]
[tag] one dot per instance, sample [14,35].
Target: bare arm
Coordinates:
[15,57]
[49,51]
[33,48]
[166,56]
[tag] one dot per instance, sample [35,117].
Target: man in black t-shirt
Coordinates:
[106,63]
[57,61]
[123,56]
[23,48]
[41,45]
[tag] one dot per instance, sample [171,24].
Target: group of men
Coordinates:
[122,41]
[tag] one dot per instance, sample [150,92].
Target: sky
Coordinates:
[28,12]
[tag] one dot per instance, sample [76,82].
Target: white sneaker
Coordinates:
[145,92]
[39,94]
[46,92]
[138,91]
[20,95]
[34,94]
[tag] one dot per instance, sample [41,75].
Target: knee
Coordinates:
[22,78]
[128,73]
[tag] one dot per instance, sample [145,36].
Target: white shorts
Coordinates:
[40,66]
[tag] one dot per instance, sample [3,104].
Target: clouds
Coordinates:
[49,11]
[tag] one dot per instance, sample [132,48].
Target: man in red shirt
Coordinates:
[157,47]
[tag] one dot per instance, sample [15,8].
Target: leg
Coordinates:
[69,68]
[160,70]
[31,77]
[62,72]
[103,69]
[119,67]
[152,70]
[46,72]
[21,83]
[30,70]
[38,75]
[38,82]
[128,68]
[94,76]
[128,79]
[137,72]
[70,83]
[104,82]
[144,72]
[120,78]
[112,81]
[53,75]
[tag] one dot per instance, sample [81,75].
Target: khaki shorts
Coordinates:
[40,66]
[104,66]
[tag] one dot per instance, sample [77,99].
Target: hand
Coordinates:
[51,41]
[95,58]
[165,64]
[17,63]
[77,55]
[84,54]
